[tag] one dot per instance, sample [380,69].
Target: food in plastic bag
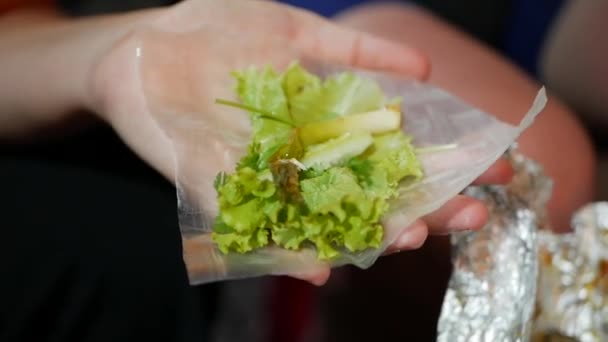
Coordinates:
[445,145]
[325,159]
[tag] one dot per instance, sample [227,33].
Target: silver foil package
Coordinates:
[491,294]
[515,280]
[573,281]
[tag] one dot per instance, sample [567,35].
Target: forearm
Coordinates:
[46,64]
[483,78]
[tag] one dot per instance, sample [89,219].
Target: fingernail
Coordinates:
[413,238]
[405,240]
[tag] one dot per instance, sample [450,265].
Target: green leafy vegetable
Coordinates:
[312,100]
[348,93]
[336,151]
[378,121]
[263,89]
[325,159]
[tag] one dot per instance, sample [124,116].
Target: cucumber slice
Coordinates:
[336,151]
[375,122]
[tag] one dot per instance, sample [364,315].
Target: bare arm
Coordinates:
[50,66]
[45,64]
[484,78]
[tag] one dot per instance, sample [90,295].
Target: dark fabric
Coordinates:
[481,18]
[92,7]
[90,247]
[528,24]
[517,28]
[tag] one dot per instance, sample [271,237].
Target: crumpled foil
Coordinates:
[573,282]
[491,294]
[515,280]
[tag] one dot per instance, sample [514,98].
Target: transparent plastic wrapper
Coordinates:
[180,86]
[572,300]
[492,290]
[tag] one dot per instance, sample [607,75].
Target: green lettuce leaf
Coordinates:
[304,91]
[241,243]
[393,160]
[246,202]
[337,194]
[263,89]
[325,159]
[347,93]
[311,100]
[325,193]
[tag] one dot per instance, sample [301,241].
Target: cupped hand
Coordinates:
[156,84]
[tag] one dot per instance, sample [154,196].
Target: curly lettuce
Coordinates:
[325,159]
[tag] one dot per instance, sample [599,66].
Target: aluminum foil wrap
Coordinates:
[573,281]
[491,293]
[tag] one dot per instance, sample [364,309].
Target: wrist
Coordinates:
[48,64]
[95,43]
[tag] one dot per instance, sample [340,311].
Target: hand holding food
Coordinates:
[306,166]
[325,159]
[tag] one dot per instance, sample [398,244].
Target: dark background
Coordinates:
[77,204]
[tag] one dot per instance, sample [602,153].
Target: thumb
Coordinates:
[203,262]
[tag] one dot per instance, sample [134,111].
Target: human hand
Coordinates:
[157,84]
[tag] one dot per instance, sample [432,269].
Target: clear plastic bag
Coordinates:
[180,84]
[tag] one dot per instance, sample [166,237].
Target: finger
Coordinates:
[308,32]
[459,214]
[317,277]
[203,263]
[500,172]
[412,237]
[329,41]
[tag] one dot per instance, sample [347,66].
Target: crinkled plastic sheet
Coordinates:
[180,83]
